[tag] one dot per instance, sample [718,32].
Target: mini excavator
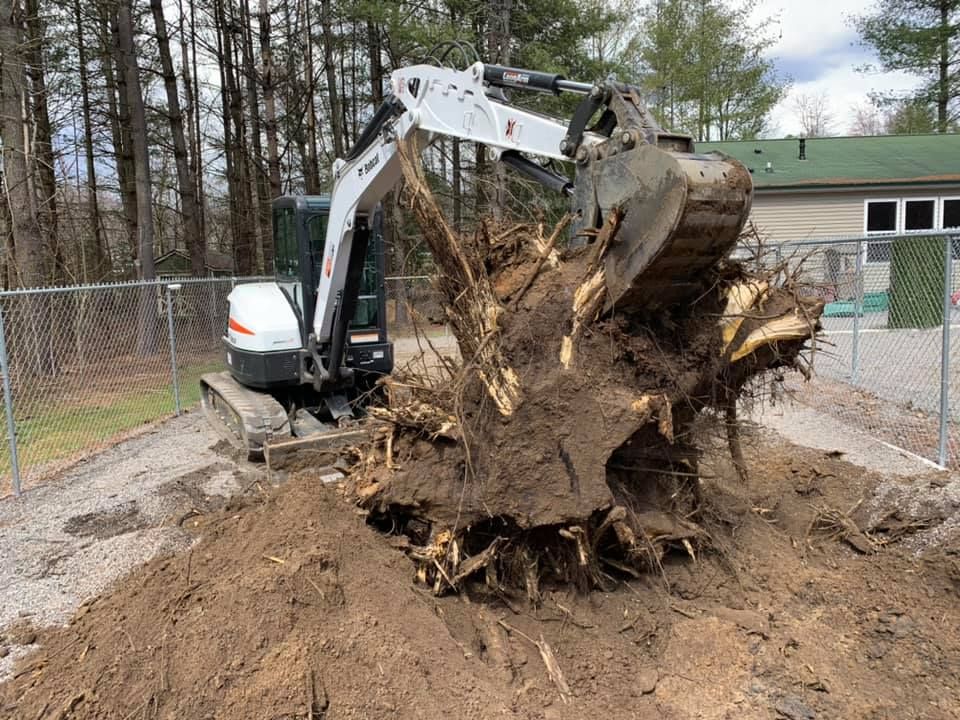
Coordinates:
[302,350]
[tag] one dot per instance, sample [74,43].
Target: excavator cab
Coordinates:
[299,232]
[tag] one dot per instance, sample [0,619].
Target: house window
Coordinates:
[950,219]
[951,213]
[881,219]
[919,215]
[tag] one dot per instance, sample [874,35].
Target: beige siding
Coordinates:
[785,217]
[798,217]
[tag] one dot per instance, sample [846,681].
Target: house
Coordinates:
[826,189]
[816,188]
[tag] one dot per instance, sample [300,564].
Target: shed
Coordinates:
[175,265]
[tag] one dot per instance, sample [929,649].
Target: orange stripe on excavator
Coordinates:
[237,327]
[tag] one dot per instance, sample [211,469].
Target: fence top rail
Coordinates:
[876,237]
[132,284]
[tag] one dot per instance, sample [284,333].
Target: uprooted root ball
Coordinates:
[561,445]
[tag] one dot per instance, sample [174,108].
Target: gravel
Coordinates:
[936,501]
[803,425]
[66,541]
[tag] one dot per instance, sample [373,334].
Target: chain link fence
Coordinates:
[889,360]
[84,367]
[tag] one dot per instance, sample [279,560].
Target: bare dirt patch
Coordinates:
[102,524]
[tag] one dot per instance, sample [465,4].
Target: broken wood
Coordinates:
[545,252]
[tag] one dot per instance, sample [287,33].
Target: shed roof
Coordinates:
[848,161]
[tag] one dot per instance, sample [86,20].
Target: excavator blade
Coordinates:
[256,424]
[683,212]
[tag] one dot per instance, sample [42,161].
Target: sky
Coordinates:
[820,50]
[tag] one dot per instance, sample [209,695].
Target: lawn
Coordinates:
[61,433]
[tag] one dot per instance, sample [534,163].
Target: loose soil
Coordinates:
[290,606]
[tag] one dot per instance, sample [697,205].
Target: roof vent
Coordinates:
[769,167]
[757,151]
[803,148]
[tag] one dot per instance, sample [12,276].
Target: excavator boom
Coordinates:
[683,211]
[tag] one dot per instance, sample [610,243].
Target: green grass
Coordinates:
[61,432]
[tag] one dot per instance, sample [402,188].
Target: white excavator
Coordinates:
[302,350]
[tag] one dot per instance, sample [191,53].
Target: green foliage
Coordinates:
[912,117]
[705,62]
[921,37]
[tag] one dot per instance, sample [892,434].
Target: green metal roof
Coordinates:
[848,161]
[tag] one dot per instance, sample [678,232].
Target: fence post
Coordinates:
[857,312]
[944,449]
[173,346]
[8,405]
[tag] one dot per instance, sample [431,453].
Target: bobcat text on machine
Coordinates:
[299,353]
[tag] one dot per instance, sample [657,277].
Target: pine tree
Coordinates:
[920,37]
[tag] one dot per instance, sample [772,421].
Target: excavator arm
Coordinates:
[682,210]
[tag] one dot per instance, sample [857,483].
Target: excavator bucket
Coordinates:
[682,212]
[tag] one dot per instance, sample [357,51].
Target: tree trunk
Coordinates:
[147,339]
[376,64]
[237,178]
[116,78]
[43,145]
[23,225]
[234,221]
[269,101]
[185,179]
[336,109]
[457,188]
[96,257]
[498,46]
[197,142]
[312,169]
[943,82]
[37,353]
[258,175]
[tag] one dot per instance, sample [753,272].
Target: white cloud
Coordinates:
[819,48]
[810,27]
[844,89]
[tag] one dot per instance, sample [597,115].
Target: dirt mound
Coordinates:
[281,600]
[289,606]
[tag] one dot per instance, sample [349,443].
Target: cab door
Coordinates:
[287,258]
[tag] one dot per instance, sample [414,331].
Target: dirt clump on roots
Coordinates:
[563,444]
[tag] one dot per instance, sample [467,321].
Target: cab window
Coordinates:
[368,303]
[317,232]
[286,255]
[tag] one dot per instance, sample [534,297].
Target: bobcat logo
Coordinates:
[511,128]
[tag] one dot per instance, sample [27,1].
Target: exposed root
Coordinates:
[831,524]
